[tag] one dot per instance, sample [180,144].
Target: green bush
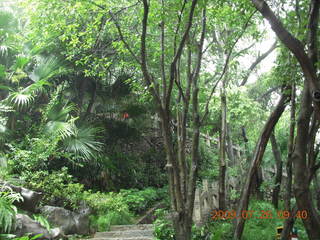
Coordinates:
[220,230]
[33,154]
[102,222]
[109,209]
[163,229]
[139,201]
[58,187]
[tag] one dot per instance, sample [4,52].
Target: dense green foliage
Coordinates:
[81,123]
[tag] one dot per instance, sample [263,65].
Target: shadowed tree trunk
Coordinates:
[255,163]
[278,175]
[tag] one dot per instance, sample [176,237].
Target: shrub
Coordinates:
[109,208]
[103,222]
[163,229]
[33,154]
[139,201]
[58,187]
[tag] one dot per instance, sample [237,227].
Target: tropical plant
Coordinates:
[82,142]
[7,209]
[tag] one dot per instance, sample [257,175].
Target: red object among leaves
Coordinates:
[125,115]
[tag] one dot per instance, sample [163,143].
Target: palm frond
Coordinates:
[7,21]
[59,122]
[64,129]
[46,68]
[37,87]
[4,50]
[20,62]
[60,112]
[21,99]
[83,142]
[25,97]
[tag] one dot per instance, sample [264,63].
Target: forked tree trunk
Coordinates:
[182,174]
[255,163]
[278,175]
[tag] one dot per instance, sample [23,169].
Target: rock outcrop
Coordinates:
[69,222]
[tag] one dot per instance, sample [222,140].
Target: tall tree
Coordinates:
[310,94]
[182,176]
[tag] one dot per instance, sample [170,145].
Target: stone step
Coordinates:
[125,233]
[131,227]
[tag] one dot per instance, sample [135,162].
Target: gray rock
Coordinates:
[56,233]
[69,222]
[25,225]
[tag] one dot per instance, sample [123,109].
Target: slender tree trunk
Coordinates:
[278,175]
[288,224]
[222,152]
[92,99]
[230,151]
[255,163]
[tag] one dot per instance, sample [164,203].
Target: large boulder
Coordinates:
[25,225]
[30,198]
[69,222]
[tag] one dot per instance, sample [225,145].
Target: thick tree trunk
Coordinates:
[256,183]
[278,175]
[256,161]
[301,183]
[288,224]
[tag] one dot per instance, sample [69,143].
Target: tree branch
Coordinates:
[256,62]
[295,46]
[178,54]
